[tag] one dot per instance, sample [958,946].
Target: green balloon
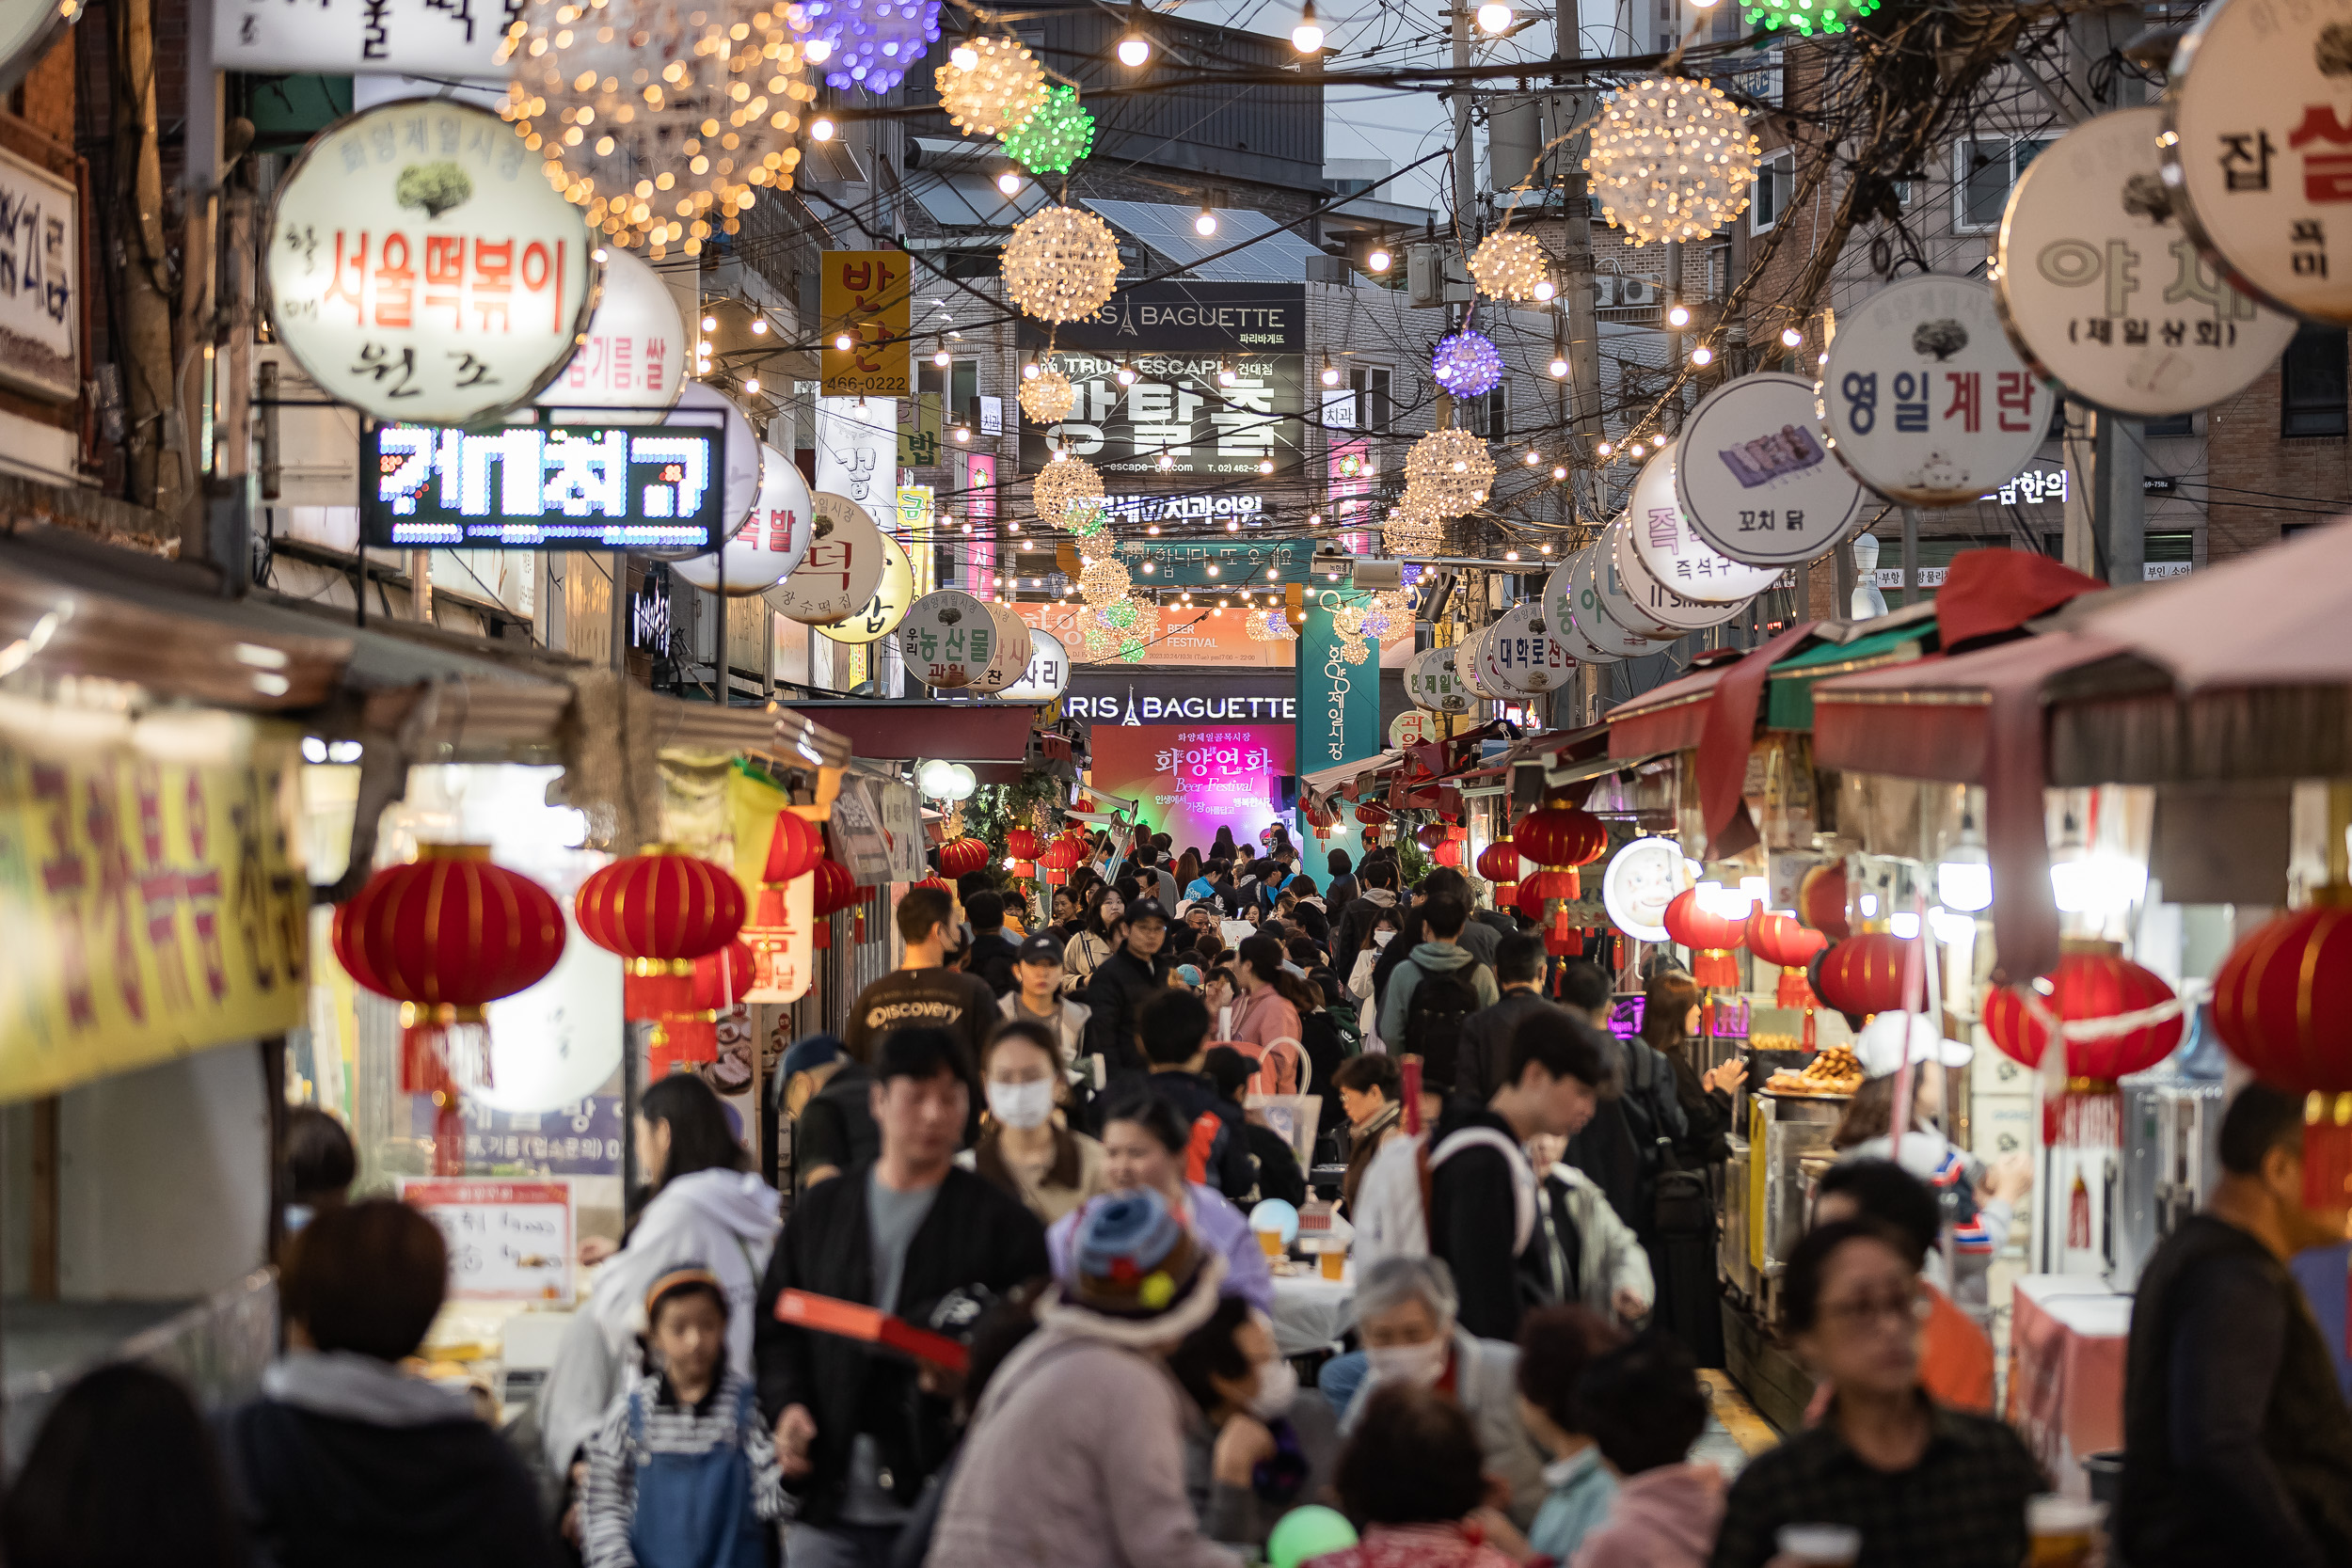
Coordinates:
[1308,1533]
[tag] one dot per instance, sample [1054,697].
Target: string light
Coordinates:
[1125,375]
[1134,45]
[1009,183]
[1205,225]
[1450,471]
[1791,337]
[821,128]
[1330,371]
[1671,159]
[1467,364]
[1806,16]
[1307,37]
[1061,263]
[1054,138]
[1379,259]
[866,43]
[1064,487]
[1494,16]
[1048,396]
[939,356]
[1702,356]
[995,94]
[663,147]
[1508,264]
[1559,368]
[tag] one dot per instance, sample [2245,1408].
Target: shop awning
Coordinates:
[1788,690]
[2279,617]
[1665,719]
[1325,780]
[992,741]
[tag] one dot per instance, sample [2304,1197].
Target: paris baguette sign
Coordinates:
[421,269]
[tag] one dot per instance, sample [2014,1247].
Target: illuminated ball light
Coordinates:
[1054,138]
[1103,582]
[1067,487]
[1672,160]
[1449,472]
[1467,364]
[867,43]
[1048,396]
[1061,263]
[996,93]
[1807,16]
[660,119]
[1511,264]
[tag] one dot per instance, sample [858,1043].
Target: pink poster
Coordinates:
[1194,779]
[1349,484]
[979,509]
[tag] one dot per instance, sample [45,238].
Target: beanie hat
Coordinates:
[1137,1276]
[809,1051]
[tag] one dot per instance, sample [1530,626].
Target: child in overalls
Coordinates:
[683,1472]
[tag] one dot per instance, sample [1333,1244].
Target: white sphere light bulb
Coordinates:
[1494,16]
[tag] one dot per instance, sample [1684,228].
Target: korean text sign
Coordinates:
[420,267]
[540,487]
[148,907]
[412,37]
[868,297]
[508,1241]
[40,324]
[1180,409]
[1194,779]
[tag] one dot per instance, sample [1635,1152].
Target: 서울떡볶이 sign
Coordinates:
[407,37]
[420,267]
[540,487]
[865,295]
[40,336]
[1179,409]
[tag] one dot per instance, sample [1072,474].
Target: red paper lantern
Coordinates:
[2280,1000]
[1862,974]
[1021,843]
[835,890]
[1710,937]
[1561,835]
[1429,834]
[660,909]
[445,935]
[1821,900]
[2116,1017]
[1371,813]
[960,857]
[1777,939]
[794,847]
[1060,858]
[940,882]
[1448,852]
[1501,862]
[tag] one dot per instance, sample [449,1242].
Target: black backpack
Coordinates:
[1681,1202]
[1441,1004]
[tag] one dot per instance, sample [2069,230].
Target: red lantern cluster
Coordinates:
[2117,1017]
[1862,974]
[2283,1001]
[1060,858]
[1710,937]
[1559,838]
[660,909]
[445,935]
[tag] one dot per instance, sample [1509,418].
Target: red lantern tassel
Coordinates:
[1795,991]
[2327,1150]
[2078,1214]
[824,931]
[2091,1113]
[1713,967]
[1810,1041]
[654,988]
[448,1135]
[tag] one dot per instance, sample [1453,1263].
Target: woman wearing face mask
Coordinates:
[1360,984]
[1025,1148]
[1253,1448]
[1144,1143]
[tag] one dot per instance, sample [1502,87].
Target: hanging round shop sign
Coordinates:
[636,352]
[1560,605]
[1011,655]
[1469,662]
[842,569]
[947,638]
[1604,611]
[1433,683]
[770,544]
[27,27]
[742,466]
[1672,549]
[1642,880]
[1047,675]
[2100,291]
[2258,137]
[421,269]
[1523,657]
[1924,399]
[1652,597]
[1754,482]
[888,607]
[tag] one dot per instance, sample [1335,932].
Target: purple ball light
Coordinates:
[1467,364]
[873,41]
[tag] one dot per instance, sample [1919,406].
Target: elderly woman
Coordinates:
[1405,1310]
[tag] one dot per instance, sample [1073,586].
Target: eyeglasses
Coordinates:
[1913,1306]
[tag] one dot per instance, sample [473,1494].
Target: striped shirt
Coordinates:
[727,1416]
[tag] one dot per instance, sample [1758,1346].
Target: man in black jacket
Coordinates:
[855,1435]
[1482,1188]
[1136,972]
[1173,1031]
[992,952]
[2238,1446]
[1610,1148]
[1482,1055]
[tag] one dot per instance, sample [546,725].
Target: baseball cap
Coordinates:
[1145,909]
[809,1051]
[1040,949]
[1879,1045]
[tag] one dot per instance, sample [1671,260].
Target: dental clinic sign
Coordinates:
[1219,565]
[1338,702]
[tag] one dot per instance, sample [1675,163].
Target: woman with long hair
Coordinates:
[1266,1020]
[1026,1148]
[1679,1233]
[1094,942]
[1187,873]
[1343,888]
[1222,848]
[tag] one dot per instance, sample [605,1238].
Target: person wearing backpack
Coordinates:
[1432,992]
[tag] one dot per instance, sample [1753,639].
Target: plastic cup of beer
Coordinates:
[1270,1241]
[1333,1259]
[2064,1531]
[1820,1546]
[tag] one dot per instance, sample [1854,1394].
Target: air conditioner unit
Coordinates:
[1636,291]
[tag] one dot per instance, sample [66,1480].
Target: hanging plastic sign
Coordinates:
[1605,611]
[949,637]
[770,543]
[344,37]
[842,569]
[1469,663]
[1654,599]
[1923,398]
[1523,657]
[1642,880]
[699,403]
[421,269]
[1754,481]
[1047,674]
[2101,290]
[784,956]
[28,28]
[1579,625]
[1013,651]
[1672,551]
[888,607]
[636,352]
[2258,136]
[1433,683]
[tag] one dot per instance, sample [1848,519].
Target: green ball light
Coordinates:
[1131,649]
[1122,614]
[1054,138]
[1087,523]
[1808,17]
[1308,1533]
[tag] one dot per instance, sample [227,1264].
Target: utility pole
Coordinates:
[2107,510]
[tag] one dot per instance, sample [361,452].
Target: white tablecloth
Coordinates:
[1310,1311]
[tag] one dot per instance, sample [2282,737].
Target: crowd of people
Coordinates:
[1040,1148]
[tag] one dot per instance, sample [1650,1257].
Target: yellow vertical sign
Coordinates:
[866,296]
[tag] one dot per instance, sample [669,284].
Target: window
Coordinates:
[2171,425]
[2170,547]
[1983,171]
[1491,416]
[2311,383]
[963,392]
[1769,198]
[1370,383]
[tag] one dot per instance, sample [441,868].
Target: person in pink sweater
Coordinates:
[1266,1023]
[1644,1408]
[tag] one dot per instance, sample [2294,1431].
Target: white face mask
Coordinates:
[1380,939]
[1421,1365]
[1277,1385]
[1022,1105]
